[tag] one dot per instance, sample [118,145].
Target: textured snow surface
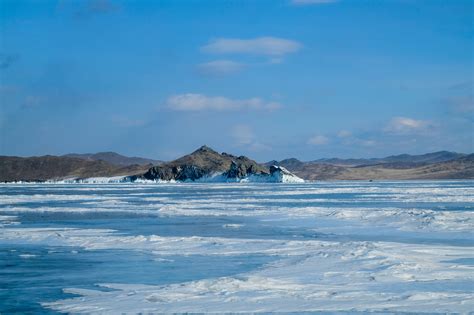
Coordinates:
[311,275]
[350,247]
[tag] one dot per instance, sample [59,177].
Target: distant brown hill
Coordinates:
[49,167]
[428,158]
[457,168]
[114,158]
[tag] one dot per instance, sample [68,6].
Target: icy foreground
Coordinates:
[396,247]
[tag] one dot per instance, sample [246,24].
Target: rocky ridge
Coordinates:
[205,164]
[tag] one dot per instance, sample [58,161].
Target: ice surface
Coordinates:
[311,276]
[368,247]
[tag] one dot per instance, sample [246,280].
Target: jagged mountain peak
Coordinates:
[206,162]
[205,148]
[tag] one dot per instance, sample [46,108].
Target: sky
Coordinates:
[270,79]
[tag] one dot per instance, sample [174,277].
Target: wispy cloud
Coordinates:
[200,102]
[318,140]
[310,2]
[344,134]
[268,46]
[406,125]
[348,138]
[366,142]
[220,67]
[244,136]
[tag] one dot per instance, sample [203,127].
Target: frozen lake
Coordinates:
[174,248]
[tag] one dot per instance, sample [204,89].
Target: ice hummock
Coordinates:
[278,174]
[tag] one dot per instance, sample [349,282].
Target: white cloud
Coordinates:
[344,134]
[200,102]
[258,146]
[275,61]
[220,67]
[405,125]
[268,46]
[244,136]
[318,140]
[368,143]
[309,2]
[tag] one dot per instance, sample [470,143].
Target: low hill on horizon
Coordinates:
[48,167]
[114,158]
[458,168]
[433,157]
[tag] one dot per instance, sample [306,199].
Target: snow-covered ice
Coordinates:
[241,247]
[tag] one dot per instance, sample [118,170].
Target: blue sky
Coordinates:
[268,79]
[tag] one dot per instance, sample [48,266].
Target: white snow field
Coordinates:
[342,247]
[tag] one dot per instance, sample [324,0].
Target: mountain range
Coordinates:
[206,163]
[42,168]
[438,165]
[114,158]
[428,158]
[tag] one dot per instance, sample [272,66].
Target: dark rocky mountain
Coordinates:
[49,167]
[205,162]
[114,158]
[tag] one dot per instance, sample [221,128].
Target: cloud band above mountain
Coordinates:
[268,46]
[200,102]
